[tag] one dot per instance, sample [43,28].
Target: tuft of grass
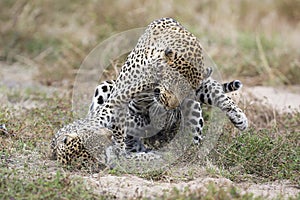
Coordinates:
[269,150]
[257,154]
[45,186]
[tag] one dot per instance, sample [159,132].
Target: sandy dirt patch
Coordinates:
[130,186]
[281,99]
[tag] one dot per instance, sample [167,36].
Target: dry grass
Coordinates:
[254,41]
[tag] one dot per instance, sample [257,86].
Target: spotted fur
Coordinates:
[142,109]
[156,79]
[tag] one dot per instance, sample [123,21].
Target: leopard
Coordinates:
[167,65]
[83,145]
[205,96]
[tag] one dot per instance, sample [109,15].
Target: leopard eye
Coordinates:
[156,90]
[168,52]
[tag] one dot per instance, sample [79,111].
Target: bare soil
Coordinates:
[130,186]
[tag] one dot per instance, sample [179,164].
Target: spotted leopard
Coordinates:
[167,59]
[140,110]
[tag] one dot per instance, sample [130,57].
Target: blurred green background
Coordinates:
[255,41]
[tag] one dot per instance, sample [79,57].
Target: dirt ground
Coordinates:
[130,186]
[21,76]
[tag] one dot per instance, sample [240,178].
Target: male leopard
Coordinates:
[207,93]
[166,63]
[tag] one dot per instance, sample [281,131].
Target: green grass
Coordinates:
[260,156]
[43,186]
[259,48]
[267,151]
[23,172]
[213,192]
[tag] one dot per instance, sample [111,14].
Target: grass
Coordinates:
[44,33]
[267,151]
[260,47]
[44,186]
[24,174]
[213,192]
[258,156]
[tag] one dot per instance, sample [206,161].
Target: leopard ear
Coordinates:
[168,52]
